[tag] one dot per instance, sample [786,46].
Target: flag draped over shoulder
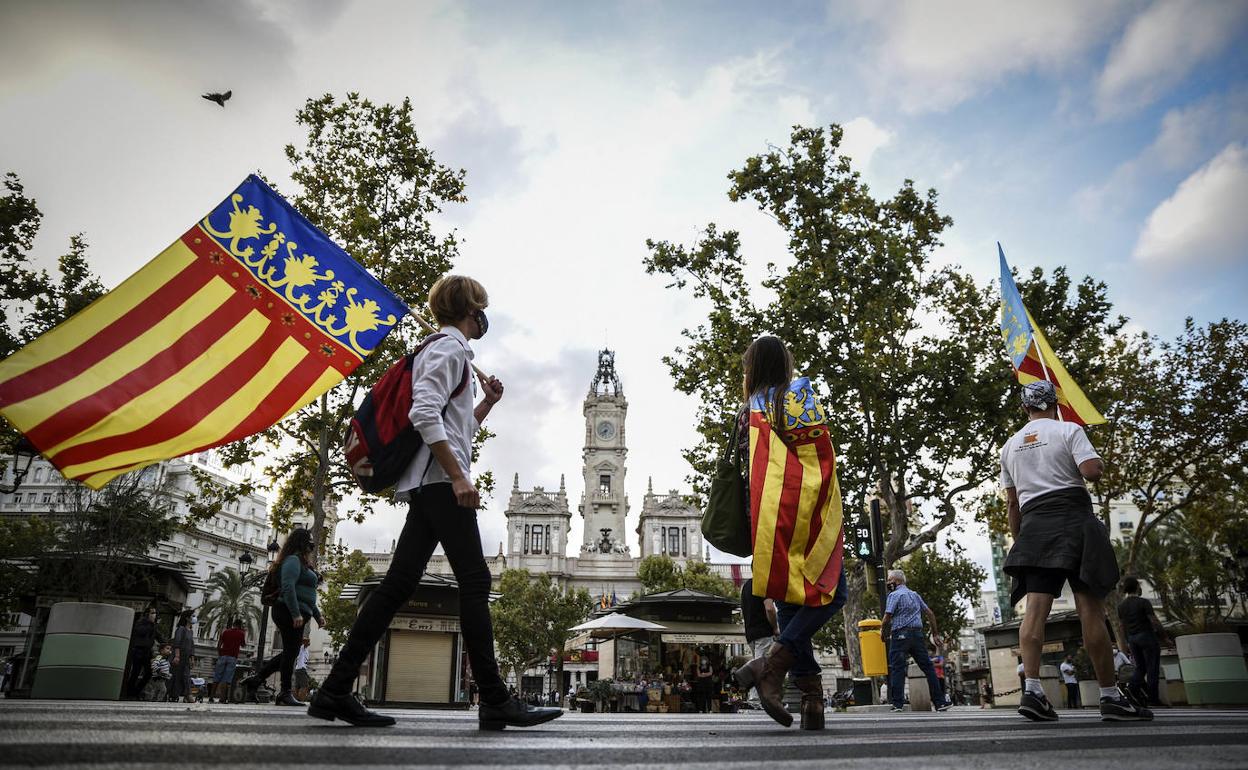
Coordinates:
[1032,357]
[248,316]
[795,500]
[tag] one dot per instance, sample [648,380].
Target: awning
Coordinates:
[686,632]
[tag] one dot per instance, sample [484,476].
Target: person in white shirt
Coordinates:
[302,680]
[443,503]
[1071,681]
[1058,539]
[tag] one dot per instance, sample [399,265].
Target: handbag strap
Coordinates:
[733,435]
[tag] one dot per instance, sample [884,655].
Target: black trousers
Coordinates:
[433,517]
[140,669]
[292,640]
[1147,653]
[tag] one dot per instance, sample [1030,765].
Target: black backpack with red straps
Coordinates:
[381,441]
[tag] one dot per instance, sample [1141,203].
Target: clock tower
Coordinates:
[604,506]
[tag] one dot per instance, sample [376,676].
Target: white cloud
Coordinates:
[1162,46]
[933,56]
[863,137]
[1203,221]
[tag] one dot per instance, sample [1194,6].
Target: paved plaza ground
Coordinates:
[47,733]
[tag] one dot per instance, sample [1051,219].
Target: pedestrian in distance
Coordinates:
[1145,635]
[302,680]
[228,645]
[160,687]
[938,665]
[1071,681]
[183,650]
[295,606]
[142,639]
[442,509]
[1058,539]
[782,428]
[902,626]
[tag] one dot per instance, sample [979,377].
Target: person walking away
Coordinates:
[758,615]
[443,504]
[902,626]
[295,606]
[1058,539]
[183,649]
[142,639]
[794,498]
[1144,635]
[302,680]
[228,645]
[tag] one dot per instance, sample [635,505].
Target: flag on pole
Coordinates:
[795,500]
[1032,357]
[250,315]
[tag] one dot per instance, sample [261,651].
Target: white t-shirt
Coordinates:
[1068,673]
[1044,457]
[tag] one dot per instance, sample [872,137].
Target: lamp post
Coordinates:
[264,614]
[22,450]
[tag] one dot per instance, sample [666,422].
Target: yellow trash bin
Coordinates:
[874,657]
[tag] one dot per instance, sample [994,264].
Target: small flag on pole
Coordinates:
[1032,357]
[250,315]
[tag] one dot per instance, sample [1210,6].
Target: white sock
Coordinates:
[1111,692]
[1033,686]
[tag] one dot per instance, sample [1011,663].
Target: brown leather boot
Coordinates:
[767,674]
[812,701]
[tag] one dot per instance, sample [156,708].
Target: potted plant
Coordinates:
[598,693]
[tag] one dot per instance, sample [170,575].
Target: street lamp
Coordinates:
[23,450]
[264,615]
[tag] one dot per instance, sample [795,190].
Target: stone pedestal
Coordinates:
[1213,669]
[84,651]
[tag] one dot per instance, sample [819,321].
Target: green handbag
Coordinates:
[726,523]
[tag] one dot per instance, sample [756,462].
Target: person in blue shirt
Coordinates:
[295,606]
[903,628]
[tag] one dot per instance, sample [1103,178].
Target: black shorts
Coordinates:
[1045,580]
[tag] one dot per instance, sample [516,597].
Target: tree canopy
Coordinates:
[339,613]
[661,573]
[532,616]
[949,583]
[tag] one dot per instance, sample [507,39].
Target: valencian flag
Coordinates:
[248,316]
[795,500]
[1032,357]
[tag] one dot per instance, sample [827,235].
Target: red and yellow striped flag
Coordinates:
[250,315]
[795,501]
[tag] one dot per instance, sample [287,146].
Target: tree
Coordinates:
[22,540]
[948,583]
[906,356]
[339,613]
[103,538]
[532,618]
[661,573]
[365,179]
[235,597]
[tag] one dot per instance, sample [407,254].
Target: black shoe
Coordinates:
[1137,696]
[943,707]
[514,713]
[345,707]
[287,698]
[1119,709]
[1037,708]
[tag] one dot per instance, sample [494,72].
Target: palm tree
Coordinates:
[235,597]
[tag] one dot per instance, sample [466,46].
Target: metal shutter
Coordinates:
[420,667]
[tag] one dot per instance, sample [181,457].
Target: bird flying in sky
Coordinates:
[219,98]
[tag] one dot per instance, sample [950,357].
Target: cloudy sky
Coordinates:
[1111,137]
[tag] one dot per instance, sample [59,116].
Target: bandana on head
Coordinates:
[1039,395]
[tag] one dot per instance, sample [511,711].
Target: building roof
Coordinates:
[352,591]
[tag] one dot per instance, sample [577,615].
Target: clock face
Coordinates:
[606,430]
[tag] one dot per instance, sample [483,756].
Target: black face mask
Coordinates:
[483,323]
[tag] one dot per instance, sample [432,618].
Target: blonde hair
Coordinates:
[454,297]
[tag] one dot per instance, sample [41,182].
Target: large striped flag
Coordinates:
[248,316]
[1032,357]
[795,499]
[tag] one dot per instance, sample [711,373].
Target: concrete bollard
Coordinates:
[920,693]
[1213,669]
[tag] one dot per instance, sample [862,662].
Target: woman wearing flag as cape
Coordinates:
[795,524]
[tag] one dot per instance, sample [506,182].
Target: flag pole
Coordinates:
[432,330]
